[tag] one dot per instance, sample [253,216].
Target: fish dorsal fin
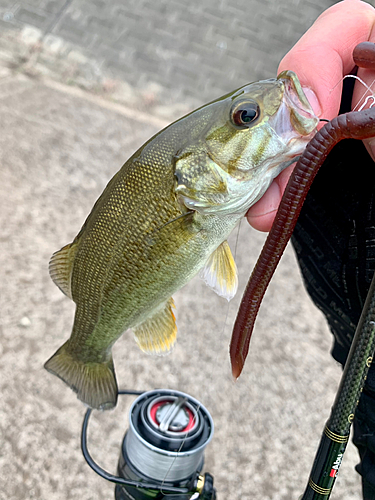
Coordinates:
[220,272]
[61,266]
[157,334]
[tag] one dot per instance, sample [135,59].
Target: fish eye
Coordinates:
[244,113]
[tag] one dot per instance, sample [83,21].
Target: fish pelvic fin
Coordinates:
[220,272]
[157,334]
[61,267]
[94,382]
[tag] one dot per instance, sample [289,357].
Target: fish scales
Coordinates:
[123,221]
[165,216]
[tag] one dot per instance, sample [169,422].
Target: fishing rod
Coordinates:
[336,432]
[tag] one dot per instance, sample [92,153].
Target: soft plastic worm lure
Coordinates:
[353,125]
[364,55]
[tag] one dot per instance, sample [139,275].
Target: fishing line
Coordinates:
[356,78]
[210,376]
[221,336]
[237,239]
[235,255]
[228,303]
[174,461]
[368,89]
[211,373]
[224,324]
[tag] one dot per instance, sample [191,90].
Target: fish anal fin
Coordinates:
[220,272]
[157,334]
[61,266]
[94,382]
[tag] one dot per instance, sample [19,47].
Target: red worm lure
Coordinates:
[353,125]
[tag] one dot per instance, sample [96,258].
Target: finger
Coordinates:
[320,59]
[261,215]
[328,46]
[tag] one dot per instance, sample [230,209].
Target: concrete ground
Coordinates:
[172,49]
[63,135]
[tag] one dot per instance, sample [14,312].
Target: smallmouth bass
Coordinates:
[165,216]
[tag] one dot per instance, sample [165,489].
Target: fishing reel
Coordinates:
[162,453]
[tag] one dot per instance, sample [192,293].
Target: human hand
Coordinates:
[321,58]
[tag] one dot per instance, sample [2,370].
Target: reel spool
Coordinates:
[162,452]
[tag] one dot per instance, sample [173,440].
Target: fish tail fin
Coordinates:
[94,382]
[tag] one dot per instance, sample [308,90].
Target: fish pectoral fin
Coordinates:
[157,334]
[220,272]
[94,382]
[61,266]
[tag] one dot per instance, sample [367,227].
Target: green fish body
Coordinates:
[164,217]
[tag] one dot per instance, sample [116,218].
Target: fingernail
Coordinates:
[313,100]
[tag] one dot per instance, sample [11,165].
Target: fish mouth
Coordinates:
[295,121]
[302,116]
